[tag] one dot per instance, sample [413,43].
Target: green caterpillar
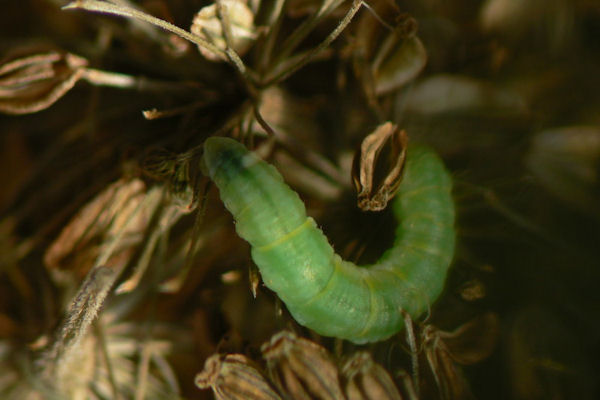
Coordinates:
[323,292]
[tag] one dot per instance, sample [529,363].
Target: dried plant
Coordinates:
[121,274]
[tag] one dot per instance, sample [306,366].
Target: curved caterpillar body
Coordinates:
[322,291]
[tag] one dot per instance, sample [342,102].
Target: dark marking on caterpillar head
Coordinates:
[221,156]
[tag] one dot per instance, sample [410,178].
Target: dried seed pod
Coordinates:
[399,60]
[374,195]
[234,377]
[389,53]
[302,368]
[367,380]
[34,83]
[109,229]
[102,217]
[236,16]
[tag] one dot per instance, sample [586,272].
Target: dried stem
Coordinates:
[287,71]
[80,315]
[305,28]
[114,9]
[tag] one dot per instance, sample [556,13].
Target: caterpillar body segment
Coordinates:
[322,291]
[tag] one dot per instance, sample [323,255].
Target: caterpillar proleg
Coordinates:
[322,291]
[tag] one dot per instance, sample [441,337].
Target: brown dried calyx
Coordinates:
[377,180]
